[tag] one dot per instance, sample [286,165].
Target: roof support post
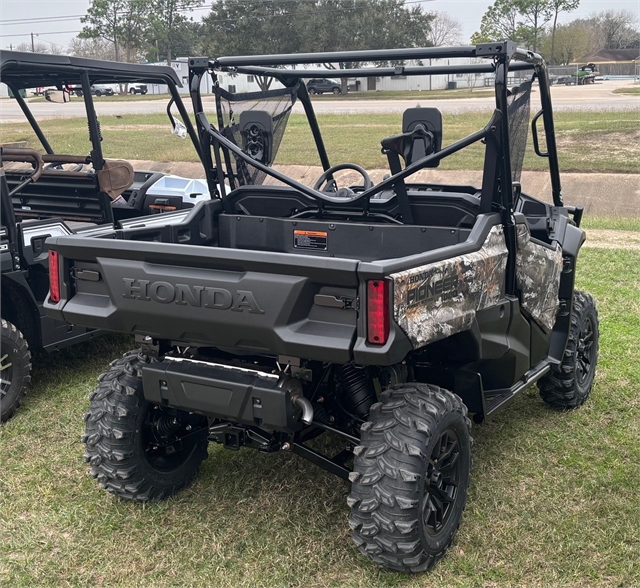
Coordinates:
[94,129]
[506,182]
[550,133]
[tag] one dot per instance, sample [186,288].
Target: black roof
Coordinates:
[31,70]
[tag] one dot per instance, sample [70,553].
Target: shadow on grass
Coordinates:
[75,363]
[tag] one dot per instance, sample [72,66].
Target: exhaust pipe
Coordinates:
[307,408]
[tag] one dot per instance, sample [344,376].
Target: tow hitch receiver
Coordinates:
[233,438]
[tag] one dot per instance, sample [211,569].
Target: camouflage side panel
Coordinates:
[437,300]
[538,270]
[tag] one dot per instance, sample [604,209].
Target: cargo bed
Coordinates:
[223,292]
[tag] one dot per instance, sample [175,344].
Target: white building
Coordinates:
[240,83]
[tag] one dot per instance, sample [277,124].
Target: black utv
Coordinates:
[386,315]
[44,193]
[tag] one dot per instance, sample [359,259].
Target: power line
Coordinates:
[217,21]
[40,34]
[40,19]
[61,18]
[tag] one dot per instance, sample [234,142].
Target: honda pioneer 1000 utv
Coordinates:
[44,193]
[382,313]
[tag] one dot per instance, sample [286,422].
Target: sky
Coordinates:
[58,21]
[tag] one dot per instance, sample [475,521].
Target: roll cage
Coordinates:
[501,58]
[499,191]
[20,71]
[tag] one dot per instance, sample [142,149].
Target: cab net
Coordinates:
[255,122]
[518,115]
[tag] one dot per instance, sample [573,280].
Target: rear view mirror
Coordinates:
[57,96]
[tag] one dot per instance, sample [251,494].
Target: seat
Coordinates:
[77,226]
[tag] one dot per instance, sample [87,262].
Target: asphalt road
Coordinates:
[593,97]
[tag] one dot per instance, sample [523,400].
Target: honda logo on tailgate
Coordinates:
[183,295]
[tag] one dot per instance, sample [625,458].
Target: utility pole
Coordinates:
[33,45]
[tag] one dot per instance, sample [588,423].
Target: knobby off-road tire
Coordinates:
[569,384]
[15,370]
[410,477]
[137,450]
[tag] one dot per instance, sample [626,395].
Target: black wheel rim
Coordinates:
[585,351]
[441,482]
[6,374]
[169,436]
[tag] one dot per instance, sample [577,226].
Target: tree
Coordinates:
[368,24]
[256,27]
[92,48]
[121,22]
[571,41]
[522,21]
[235,27]
[39,48]
[500,21]
[617,29]
[445,30]
[169,27]
[558,6]
[536,14]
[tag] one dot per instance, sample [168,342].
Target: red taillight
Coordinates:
[377,311]
[54,277]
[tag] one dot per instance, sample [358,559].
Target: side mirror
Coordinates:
[431,121]
[57,96]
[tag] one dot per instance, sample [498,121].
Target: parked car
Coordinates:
[322,85]
[102,90]
[138,89]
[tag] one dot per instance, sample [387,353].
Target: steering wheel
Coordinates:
[332,187]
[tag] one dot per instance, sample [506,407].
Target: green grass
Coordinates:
[634,90]
[553,499]
[588,141]
[611,223]
[407,94]
[593,142]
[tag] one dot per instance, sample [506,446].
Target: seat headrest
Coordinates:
[115,177]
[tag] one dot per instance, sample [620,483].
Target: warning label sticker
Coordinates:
[314,240]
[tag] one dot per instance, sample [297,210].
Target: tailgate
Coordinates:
[277,303]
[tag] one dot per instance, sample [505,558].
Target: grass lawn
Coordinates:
[588,141]
[611,223]
[634,90]
[553,499]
